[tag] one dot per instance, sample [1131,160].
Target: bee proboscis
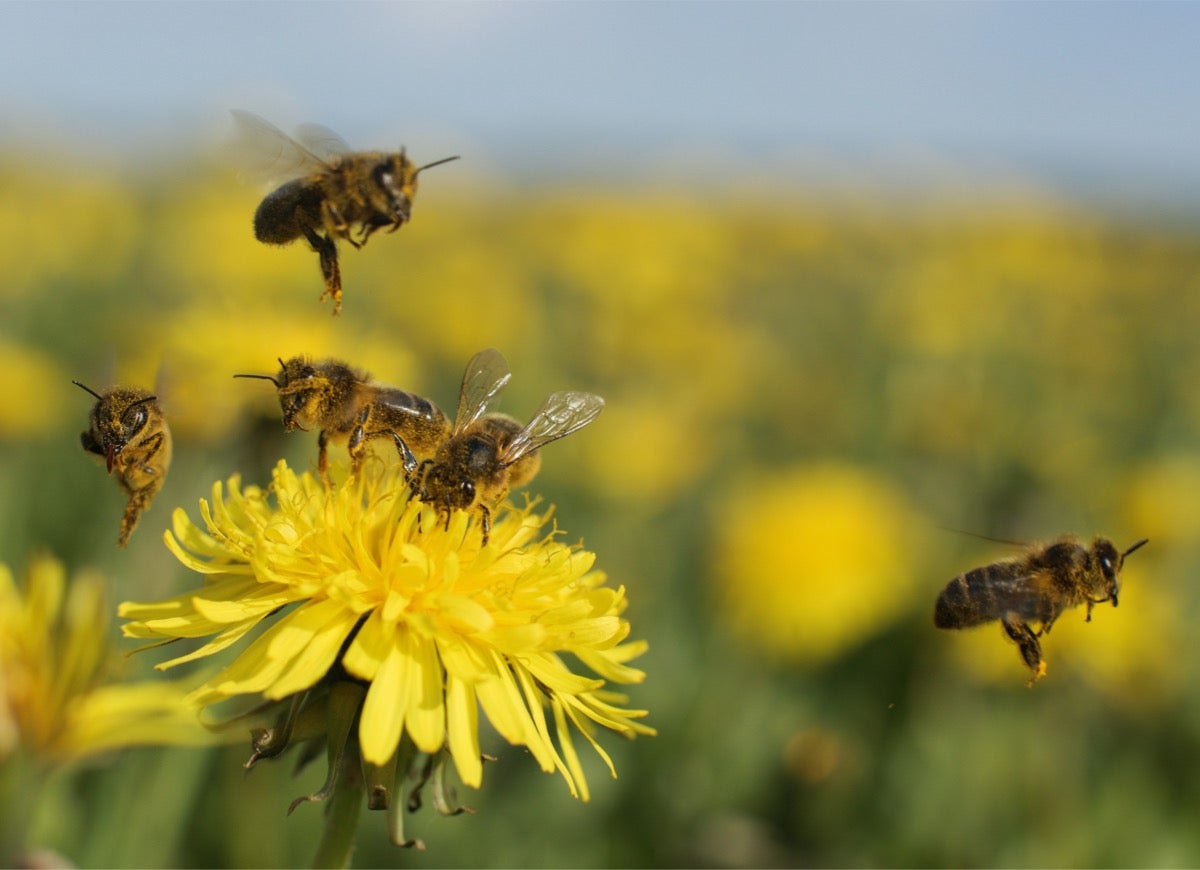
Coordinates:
[487,453]
[334,193]
[344,403]
[128,429]
[1037,587]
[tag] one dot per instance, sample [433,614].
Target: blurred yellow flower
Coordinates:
[814,560]
[35,397]
[56,699]
[1162,500]
[436,625]
[60,224]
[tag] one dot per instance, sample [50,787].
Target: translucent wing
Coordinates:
[561,414]
[322,141]
[485,376]
[983,594]
[268,154]
[407,403]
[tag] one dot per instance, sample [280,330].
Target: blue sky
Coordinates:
[1087,87]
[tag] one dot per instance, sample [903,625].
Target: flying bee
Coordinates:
[344,403]
[335,193]
[1036,587]
[487,454]
[128,429]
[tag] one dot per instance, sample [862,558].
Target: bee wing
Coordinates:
[405,402]
[485,376]
[989,592]
[322,141]
[1020,592]
[269,154]
[561,414]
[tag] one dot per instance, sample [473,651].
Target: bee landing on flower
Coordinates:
[386,631]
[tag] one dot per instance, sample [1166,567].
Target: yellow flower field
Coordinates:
[817,408]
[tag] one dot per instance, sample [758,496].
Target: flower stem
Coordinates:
[341,819]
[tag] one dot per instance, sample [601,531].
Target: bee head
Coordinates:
[396,179]
[294,384]
[1109,561]
[117,418]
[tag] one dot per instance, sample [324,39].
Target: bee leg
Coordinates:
[90,444]
[366,231]
[485,523]
[334,223]
[154,444]
[323,458]
[139,500]
[406,456]
[357,445]
[1027,642]
[327,250]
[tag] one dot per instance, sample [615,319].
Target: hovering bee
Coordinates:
[128,429]
[487,454]
[343,402]
[335,193]
[1036,587]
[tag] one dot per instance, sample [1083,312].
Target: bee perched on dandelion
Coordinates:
[391,631]
[487,454]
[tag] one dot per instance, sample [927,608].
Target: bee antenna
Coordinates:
[89,389]
[270,378]
[143,401]
[421,169]
[1135,546]
[982,537]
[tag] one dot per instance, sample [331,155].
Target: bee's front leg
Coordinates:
[406,457]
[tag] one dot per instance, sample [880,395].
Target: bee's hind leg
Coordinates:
[327,251]
[1027,642]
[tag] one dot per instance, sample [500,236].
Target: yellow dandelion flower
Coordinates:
[360,584]
[56,703]
[814,560]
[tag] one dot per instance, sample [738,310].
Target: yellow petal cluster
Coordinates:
[57,701]
[362,575]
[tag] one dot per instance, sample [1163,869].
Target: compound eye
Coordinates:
[384,176]
[467,488]
[135,419]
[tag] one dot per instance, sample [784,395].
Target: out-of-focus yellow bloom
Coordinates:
[35,393]
[55,661]
[57,223]
[1162,501]
[814,559]
[375,582]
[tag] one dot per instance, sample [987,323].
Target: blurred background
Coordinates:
[860,283]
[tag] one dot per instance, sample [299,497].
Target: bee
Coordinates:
[128,429]
[1037,587]
[487,454]
[336,193]
[344,403]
